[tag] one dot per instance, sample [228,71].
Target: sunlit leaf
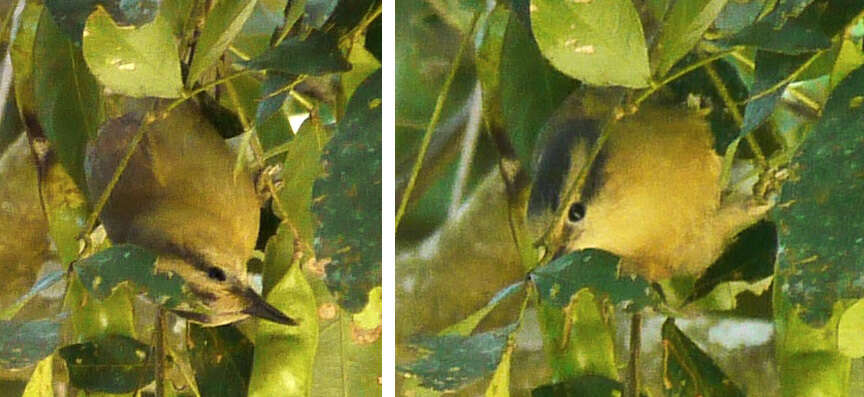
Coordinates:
[137,62]
[41,383]
[578,40]
[284,355]
[850,329]
[683,27]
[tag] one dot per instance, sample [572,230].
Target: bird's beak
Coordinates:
[258,307]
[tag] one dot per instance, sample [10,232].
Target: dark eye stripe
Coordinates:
[216,273]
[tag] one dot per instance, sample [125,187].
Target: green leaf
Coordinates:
[223,24]
[749,257]
[92,318]
[68,99]
[467,326]
[138,62]
[112,364]
[578,40]
[850,329]
[771,68]
[688,371]
[71,15]
[24,343]
[683,27]
[531,89]
[302,167]
[819,220]
[588,385]
[348,199]
[41,383]
[455,361]
[47,281]
[499,386]
[316,55]
[221,358]
[851,57]
[104,271]
[562,278]
[488,60]
[270,104]
[284,355]
[797,36]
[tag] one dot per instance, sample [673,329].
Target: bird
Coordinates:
[652,196]
[180,197]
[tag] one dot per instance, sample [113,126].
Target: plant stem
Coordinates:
[631,389]
[433,122]
[159,354]
[689,68]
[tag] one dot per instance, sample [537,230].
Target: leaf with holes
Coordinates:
[111,364]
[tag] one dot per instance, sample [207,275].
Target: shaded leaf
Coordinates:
[102,272]
[688,371]
[819,218]
[562,278]
[531,89]
[771,68]
[111,364]
[68,99]
[577,40]
[749,257]
[456,361]
[348,200]
[221,358]
[25,343]
[796,36]
[223,24]
[316,55]
[588,385]
[137,62]
[683,27]
[284,355]
[270,103]
[71,15]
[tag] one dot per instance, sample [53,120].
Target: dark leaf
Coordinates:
[796,36]
[688,371]
[25,343]
[348,14]
[348,199]
[562,278]
[270,103]
[750,257]
[221,358]
[819,218]
[102,272]
[316,55]
[584,386]
[223,23]
[111,364]
[456,361]
[771,68]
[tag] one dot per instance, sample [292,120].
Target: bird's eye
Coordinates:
[215,273]
[576,212]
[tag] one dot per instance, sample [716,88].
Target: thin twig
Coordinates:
[689,68]
[736,114]
[788,79]
[433,122]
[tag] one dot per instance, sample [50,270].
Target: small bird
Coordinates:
[180,198]
[652,195]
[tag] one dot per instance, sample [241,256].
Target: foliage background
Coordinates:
[295,88]
[776,77]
